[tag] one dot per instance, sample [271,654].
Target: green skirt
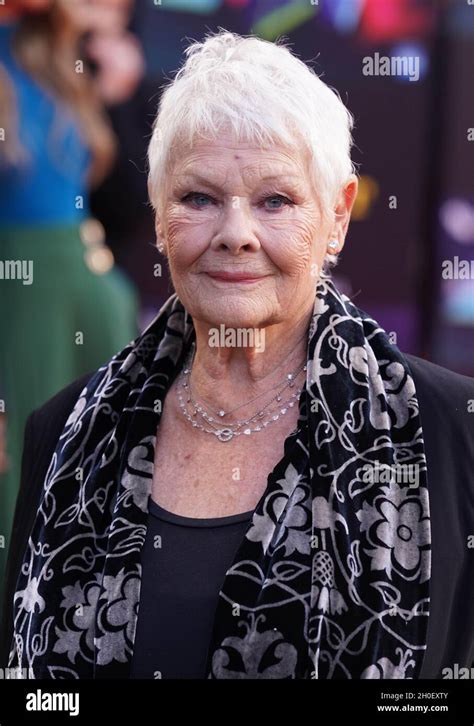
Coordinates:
[61,316]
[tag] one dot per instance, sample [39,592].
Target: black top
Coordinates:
[184,562]
[448,431]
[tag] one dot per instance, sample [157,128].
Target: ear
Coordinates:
[343,210]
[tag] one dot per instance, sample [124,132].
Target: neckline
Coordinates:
[158,511]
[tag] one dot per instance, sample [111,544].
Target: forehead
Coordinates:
[226,158]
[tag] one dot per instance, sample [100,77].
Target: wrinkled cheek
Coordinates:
[187,229]
[176,227]
[297,254]
[186,242]
[312,247]
[174,237]
[304,256]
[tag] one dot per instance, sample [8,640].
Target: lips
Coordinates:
[235,276]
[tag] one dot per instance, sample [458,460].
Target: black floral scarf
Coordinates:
[332,577]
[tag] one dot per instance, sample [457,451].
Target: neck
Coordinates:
[225,377]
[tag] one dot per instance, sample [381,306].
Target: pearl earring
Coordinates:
[333,245]
[160,247]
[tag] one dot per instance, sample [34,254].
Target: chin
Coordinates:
[234,313]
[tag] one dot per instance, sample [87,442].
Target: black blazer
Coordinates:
[445,399]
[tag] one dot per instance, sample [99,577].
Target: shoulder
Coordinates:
[446,400]
[427,372]
[61,404]
[42,431]
[443,391]
[45,424]
[446,404]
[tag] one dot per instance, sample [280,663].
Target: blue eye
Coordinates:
[278,198]
[195,197]
[200,200]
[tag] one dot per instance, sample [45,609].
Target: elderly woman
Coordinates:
[251,487]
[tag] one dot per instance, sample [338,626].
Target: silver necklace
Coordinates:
[222,413]
[288,383]
[291,377]
[231,429]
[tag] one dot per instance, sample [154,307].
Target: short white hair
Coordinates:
[265,95]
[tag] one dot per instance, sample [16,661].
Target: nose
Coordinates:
[236,228]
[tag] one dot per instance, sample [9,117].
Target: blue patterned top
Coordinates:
[50,187]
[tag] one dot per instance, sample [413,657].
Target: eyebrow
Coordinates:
[200,179]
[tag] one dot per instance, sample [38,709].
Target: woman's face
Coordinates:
[234,210]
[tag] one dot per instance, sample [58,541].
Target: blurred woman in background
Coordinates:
[65,308]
